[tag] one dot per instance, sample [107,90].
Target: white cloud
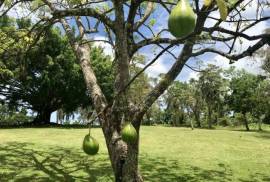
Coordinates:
[251,65]
[107,48]
[193,75]
[157,68]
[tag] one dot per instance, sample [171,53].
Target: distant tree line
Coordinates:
[217,98]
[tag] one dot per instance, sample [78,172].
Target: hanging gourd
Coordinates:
[182,19]
[90,145]
[129,133]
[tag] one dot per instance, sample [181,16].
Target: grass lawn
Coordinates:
[166,155]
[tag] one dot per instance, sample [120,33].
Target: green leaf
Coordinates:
[207,3]
[223,10]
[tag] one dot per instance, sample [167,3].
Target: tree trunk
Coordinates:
[260,125]
[124,158]
[191,124]
[148,118]
[43,117]
[197,119]
[209,117]
[261,118]
[246,122]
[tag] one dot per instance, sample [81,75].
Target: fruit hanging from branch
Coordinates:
[90,145]
[182,19]
[129,133]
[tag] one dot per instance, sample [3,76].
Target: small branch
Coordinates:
[84,12]
[148,11]
[236,57]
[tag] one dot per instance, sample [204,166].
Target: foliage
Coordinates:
[242,88]
[49,78]
[13,117]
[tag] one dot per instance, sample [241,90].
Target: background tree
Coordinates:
[210,83]
[11,116]
[125,24]
[48,79]
[242,90]
[176,98]
[262,98]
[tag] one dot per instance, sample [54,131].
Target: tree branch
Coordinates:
[84,12]
[235,57]
[147,13]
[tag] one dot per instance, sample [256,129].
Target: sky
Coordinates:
[163,64]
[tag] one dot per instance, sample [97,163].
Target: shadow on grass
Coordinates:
[256,177]
[160,169]
[21,162]
[24,162]
[263,134]
[164,170]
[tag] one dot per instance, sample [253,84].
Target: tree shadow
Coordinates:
[23,162]
[161,169]
[263,134]
[164,170]
[256,177]
[20,162]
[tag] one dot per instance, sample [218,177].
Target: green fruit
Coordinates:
[90,145]
[129,134]
[182,19]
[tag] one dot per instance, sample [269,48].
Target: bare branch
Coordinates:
[147,13]
[84,12]
[247,52]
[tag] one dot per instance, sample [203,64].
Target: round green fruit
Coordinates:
[182,19]
[129,134]
[90,145]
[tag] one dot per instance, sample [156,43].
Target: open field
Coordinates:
[166,155]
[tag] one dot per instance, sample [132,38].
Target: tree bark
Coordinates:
[209,117]
[123,157]
[246,122]
[260,125]
[197,119]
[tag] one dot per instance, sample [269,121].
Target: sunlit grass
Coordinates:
[166,155]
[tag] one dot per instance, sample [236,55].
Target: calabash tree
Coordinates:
[129,26]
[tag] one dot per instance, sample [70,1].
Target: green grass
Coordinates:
[166,155]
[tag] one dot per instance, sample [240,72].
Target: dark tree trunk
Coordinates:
[197,119]
[209,117]
[43,117]
[246,122]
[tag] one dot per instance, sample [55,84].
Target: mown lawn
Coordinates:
[167,155]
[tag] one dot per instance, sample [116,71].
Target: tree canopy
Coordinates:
[48,77]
